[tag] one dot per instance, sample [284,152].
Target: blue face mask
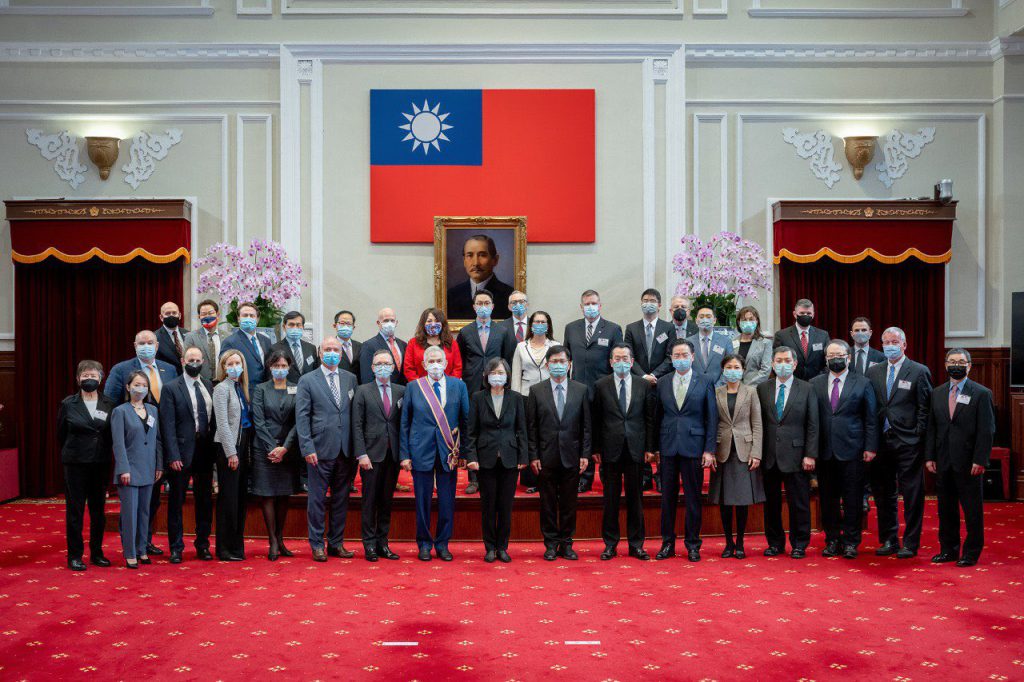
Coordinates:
[145,351]
[484,311]
[705,323]
[331,358]
[293,334]
[558,369]
[621,368]
[682,364]
[783,370]
[497,379]
[591,311]
[248,324]
[519,309]
[748,326]
[234,371]
[649,308]
[861,338]
[382,371]
[892,351]
[344,332]
[539,328]
[732,375]
[279,373]
[432,328]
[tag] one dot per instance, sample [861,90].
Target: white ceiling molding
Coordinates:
[817,147]
[897,148]
[955,8]
[83,8]
[146,149]
[62,148]
[475,53]
[139,52]
[855,52]
[571,8]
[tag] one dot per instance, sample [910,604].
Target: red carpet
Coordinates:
[722,618]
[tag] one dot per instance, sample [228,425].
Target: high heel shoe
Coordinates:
[130,565]
[145,560]
[272,555]
[284,551]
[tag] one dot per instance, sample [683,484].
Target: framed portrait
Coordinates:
[470,252]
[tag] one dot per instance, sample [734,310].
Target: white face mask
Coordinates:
[435,370]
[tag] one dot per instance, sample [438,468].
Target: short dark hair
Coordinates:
[621,345]
[86,365]
[344,312]
[803,303]
[783,349]
[861,319]
[491,247]
[495,363]
[483,292]
[209,302]
[556,350]
[291,315]
[247,304]
[734,356]
[681,342]
[652,292]
[382,351]
[131,378]
[278,355]
[952,351]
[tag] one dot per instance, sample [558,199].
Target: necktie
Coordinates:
[256,350]
[890,380]
[704,349]
[297,355]
[334,388]
[622,397]
[680,392]
[803,342]
[519,332]
[650,340]
[834,398]
[178,348]
[780,402]
[202,419]
[395,353]
[348,350]
[484,335]
[387,401]
[560,399]
[437,390]
[860,362]
[590,331]
[211,348]
[154,382]
[953,391]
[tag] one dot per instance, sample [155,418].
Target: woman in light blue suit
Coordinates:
[135,431]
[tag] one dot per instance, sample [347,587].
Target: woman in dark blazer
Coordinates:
[138,457]
[83,431]
[275,455]
[233,414]
[497,448]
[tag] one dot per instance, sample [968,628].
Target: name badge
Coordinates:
[661,338]
[310,360]
[150,422]
[963,399]
[102,416]
[903,384]
[399,403]
[292,390]
[717,349]
[816,346]
[351,393]
[602,342]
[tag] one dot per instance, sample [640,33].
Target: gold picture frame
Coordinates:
[505,232]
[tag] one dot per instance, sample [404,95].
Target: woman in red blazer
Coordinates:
[431,330]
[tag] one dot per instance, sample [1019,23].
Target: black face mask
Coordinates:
[804,320]
[193,368]
[837,365]
[679,315]
[89,385]
[171,321]
[956,372]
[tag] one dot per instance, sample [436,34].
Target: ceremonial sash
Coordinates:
[451,436]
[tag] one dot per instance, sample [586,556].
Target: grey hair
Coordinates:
[897,331]
[959,351]
[842,344]
[433,349]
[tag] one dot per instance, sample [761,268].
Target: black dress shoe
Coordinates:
[570,554]
[584,487]
[490,556]
[965,561]
[944,557]
[340,552]
[99,560]
[443,554]
[831,549]
[154,550]
[550,554]
[849,552]
[76,564]
[608,553]
[284,551]
[204,554]
[386,552]
[640,554]
[175,557]
[798,553]
[229,557]
[729,552]
[424,554]
[145,560]
[371,555]
[503,556]
[739,553]
[665,552]
[773,551]
[472,488]
[319,555]
[887,549]
[906,553]
[693,555]
[272,555]
[130,565]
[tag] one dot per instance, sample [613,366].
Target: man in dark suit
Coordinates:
[387,323]
[683,327]
[519,322]
[252,345]
[709,347]
[559,426]
[789,413]
[848,426]
[344,326]
[590,342]
[686,418]
[302,353]
[806,341]
[961,425]
[623,439]
[323,421]
[862,356]
[170,336]
[186,432]
[376,420]
[479,256]
[902,388]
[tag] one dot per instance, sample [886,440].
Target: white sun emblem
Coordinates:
[426,126]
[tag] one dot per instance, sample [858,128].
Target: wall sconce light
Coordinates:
[859,151]
[103,153]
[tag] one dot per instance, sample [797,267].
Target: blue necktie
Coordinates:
[256,350]
[780,401]
[560,401]
[437,390]
[888,390]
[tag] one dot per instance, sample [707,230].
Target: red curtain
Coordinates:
[66,313]
[909,295]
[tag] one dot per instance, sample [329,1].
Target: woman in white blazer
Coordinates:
[753,346]
[231,410]
[528,364]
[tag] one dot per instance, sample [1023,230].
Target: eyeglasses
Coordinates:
[957,363]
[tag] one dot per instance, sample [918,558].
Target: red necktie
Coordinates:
[519,331]
[387,401]
[803,342]
[395,353]
[952,399]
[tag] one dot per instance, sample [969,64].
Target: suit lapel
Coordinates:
[845,392]
[789,401]
[958,408]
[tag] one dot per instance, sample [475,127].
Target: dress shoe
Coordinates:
[129,564]
[584,487]
[503,556]
[570,554]
[965,562]
[849,552]
[229,557]
[531,491]
[175,557]
[204,554]
[693,555]
[831,549]
[272,555]
[99,560]
[284,551]
[145,560]
[944,557]
[154,550]
[424,554]
[550,554]
[386,552]
[319,555]
[887,549]
[773,551]
[443,554]
[906,553]
[729,552]
[472,488]
[739,553]
[340,552]
[608,553]
[490,556]
[640,554]
[665,552]
[371,555]
[798,553]
[76,564]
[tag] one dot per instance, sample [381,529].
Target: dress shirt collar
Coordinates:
[898,364]
[328,371]
[958,385]
[788,383]
[555,385]
[474,287]
[841,376]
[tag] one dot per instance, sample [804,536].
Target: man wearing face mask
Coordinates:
[863,357]
[301,352]
[435,415]
[649,338]
[344,327]
[323,420]
[709,347]
[590,342]
[387,323]
[806,341]
[682,326]
[623,440]
[789,417]
[519,323]
[252,345]
[207,337]
[902,388]
[848,424]
[170,335]
[376,421]
[961,425]
[186,433]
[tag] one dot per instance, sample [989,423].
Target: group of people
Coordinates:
[508,401]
